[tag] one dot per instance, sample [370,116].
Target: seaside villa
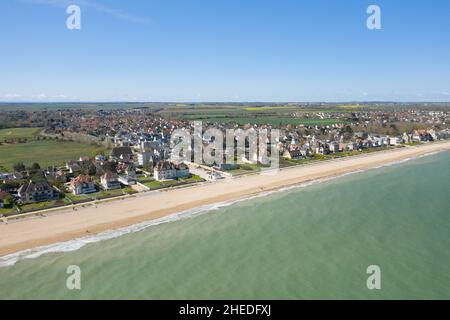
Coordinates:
[36,191]
[166,170]
[110,181]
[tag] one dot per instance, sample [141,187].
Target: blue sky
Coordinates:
[224,50]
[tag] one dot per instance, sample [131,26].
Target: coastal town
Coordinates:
[130,149]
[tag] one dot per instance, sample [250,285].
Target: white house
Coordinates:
[166,170]
[82,184]
[395,141]
[110,181]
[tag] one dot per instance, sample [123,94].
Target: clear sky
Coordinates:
[224,50]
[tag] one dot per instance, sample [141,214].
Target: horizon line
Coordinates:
[224,101]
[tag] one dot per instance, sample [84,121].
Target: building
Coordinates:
[100,158]
[127,180]
[82,184]
[121,154]
[166,170]
[293,155]
[226,166]
[6,176]
[128,174]
[130,171]
[183,171]
[144,158]
[214,175]
[73,167]
[395,141]
[36,191]
[3,196]
[110,181]
[333,147]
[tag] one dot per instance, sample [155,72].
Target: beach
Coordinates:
[68,224]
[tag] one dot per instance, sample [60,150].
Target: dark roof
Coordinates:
[167,165]
[110,176]
[35,186]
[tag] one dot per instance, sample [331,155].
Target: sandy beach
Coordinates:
[68,224]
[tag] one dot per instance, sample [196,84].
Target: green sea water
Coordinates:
[313,242]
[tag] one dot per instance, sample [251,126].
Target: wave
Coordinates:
[78,243]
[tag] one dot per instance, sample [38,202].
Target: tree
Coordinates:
[394,130]
[97,151]
[58,184]
[92,169]
[35,166]
[19,167]
[110,166]
[9,201]
[348,133]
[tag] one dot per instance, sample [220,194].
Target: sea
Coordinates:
[319,240]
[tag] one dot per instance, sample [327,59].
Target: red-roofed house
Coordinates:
[82,184]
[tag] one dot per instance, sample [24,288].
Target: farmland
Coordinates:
[280,121]
[15,133]
[275,115]
[44,152]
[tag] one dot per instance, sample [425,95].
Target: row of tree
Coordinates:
[20,167]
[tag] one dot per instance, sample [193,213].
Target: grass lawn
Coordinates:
[7,211]
[46,152]
[111,193]
[194,178]
[43,205]
[244,169]
[161,184]
[102,194]
[154,184]
[15,133]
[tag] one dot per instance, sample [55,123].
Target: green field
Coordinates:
[276,121]
[15,133]
[272,108]
[46,153]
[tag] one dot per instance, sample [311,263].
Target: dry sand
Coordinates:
[69,224]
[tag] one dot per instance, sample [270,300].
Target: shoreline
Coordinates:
[65,224]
